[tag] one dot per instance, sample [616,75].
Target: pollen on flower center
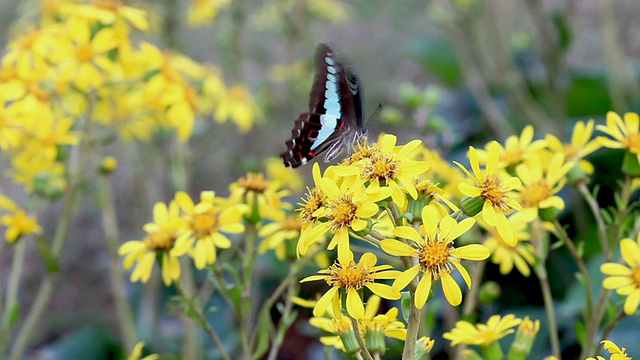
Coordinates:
[362,151]
[490,186]
[159,240]
[84,53]
[632,141]
[435,257]
[204,224]
[635,275]
[254,182]
[343,211]
[313,201]
[382,167]
[535,193]
[352,276]
[291,223]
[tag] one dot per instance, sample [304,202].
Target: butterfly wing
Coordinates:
[335,110]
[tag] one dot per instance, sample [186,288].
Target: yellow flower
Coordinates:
[136,353]
[90,64]
[625,133]
[278,232]
[264,197]
[522,255]
[238,106]
[30,53]
[541,181]
[205,222]
[38,172]
[480,334]
[346,208]
[352,277]
[338,327]
[287,177]
[580,147]
[493,190]
[518,149]
[160,239]
[387,165]
[201,12]
[616,352]
[19,223]
[625,280]
[441,172]
[435,254]
[385,324]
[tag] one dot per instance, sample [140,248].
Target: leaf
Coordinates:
[581,331]
[264,331]
[405,302]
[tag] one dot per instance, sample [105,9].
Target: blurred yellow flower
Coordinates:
[19,223]
[264,197]
[581,145]
[482,334]
[287,177]
[160,239]
[238,106]
[616,352]
[277,233]
[435,254]
[625,279]
[522,255]
[201,12]
[136,353]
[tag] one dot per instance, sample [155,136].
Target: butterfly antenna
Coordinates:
[375,114]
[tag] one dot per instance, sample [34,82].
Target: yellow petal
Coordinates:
[423,290]
[324,301]
[396,247]
[355,308]
[451,290]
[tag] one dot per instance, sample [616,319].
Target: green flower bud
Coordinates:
[548,214]
[489,291]
[471,206]
[630,165]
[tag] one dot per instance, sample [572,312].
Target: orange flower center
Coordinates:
[362,151]
[84,53]
[313,202]
[532,195]
[160,240]
[343,212]
[381,167]
[204,224]
[491,190]
[435,257]
[254,182]
[635,275]
[291,223]
[632,141]
[352,276]
[238,93]
[106,5]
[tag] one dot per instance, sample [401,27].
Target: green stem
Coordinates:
[116,273]
[245,307]
[581,267]
[541,271]
[592,328]
[285,322]
[10,307]
[607,329]
[413,323]
[356,330]
[595,210]
[200,318]
[471,299]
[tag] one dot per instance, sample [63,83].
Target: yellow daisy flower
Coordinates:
[386,324]
[435,254]
[277,233]
[287,177]
[625,134]
[541,181]
[390,166]
[263,196]
[581,145]
[495,192]
[518,149]
[340,328]
[136,353]
[352,277]
[201,12]
[205,224]
[161,236]
[19,223]
[616,352]
[238,106]
[625,279]
[346,208]
[522,255]
[482,334]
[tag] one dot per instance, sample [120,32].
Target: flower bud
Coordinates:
[471,206]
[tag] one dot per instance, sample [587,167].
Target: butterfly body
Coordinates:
[335,117]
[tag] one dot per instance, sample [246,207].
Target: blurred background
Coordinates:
[452,73]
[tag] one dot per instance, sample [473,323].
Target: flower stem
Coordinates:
[413,324]
[116,273]
[595,209]
[363,347]
[10,305]
[542,247]
[581,267]
[200,318]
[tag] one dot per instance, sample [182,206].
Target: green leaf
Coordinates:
[264,331]
[405,302]
[45,251]
[581,331]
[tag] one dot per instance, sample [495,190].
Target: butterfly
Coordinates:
[334,120]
